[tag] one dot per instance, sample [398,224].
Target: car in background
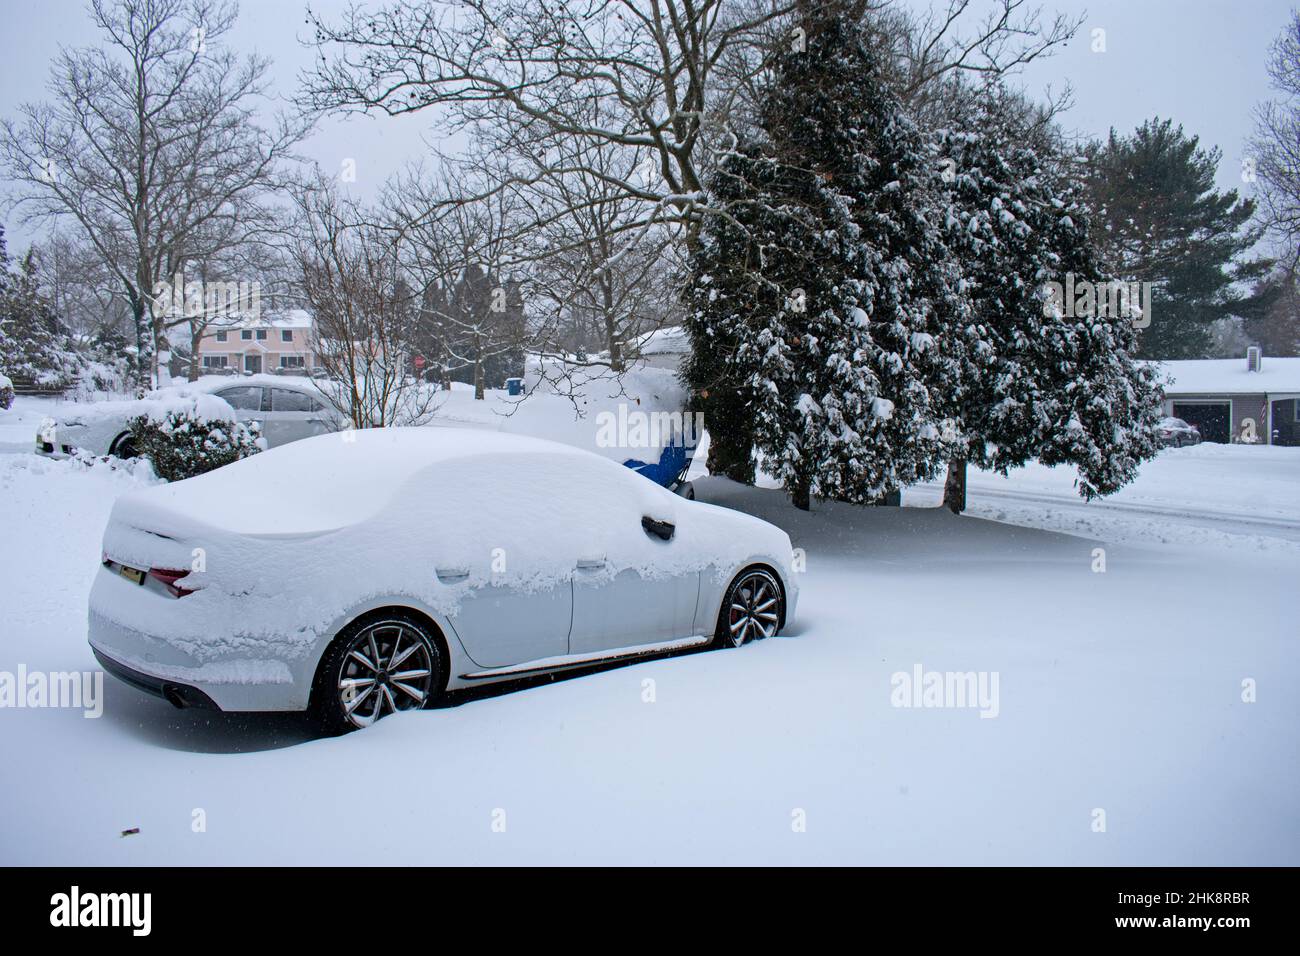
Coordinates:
[286,409]
[1176,432]
[355,577]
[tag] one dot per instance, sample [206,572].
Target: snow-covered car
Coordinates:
[1176,432]
[358,574]
[286,410]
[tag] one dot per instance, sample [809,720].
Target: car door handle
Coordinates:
[451,574]
[590,564]
[660,529]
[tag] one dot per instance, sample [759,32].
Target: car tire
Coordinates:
[752,609]
[355,684]
[124,448]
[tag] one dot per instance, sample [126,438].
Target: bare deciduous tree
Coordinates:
[648,64]
[1276,146]
[149,143]
[461,256]
[353,283]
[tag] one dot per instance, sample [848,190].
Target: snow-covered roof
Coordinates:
[670,340]
[266,318]
[1230,376]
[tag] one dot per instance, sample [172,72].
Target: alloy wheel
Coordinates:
[387,667]
[753,612]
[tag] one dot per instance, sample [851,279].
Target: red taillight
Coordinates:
[168,578]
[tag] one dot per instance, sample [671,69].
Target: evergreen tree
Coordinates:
[35,348]
[1037,381]
[1160,219]
[815,300]
[718,385]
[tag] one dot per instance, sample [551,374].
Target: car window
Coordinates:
[244,397]
[287,400]
[317,405]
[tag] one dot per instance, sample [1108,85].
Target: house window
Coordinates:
[286,335]
[261,335]
[221,336]
[214,361]
[246,335]
[293,361]
[1297,409]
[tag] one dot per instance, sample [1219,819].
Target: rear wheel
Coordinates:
[125,447]
[377,666]
[751,609]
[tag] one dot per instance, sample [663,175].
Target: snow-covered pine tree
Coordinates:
[1105,402]
[1034,382]
[817,295]
[35,348]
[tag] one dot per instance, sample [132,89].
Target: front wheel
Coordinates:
[751,609]
[376,667]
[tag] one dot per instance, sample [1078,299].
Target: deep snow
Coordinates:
[1119,691]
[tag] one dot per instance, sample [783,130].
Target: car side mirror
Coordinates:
[660,529]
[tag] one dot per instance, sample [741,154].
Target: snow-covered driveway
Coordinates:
[1118,692]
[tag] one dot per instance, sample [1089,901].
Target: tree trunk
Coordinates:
[162,353]
[611,328]
[196,337]
[478,380]
[954,488]
[140,365]
[613,344]
[800,493]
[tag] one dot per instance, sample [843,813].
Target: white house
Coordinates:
[271,341]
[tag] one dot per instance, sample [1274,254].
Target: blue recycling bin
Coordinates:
[514,386]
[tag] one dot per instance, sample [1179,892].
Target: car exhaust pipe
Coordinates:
[172,694]
[185,697]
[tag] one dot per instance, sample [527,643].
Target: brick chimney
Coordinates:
[1254,359]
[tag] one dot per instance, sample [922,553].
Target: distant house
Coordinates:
[1255,399]
[279,340]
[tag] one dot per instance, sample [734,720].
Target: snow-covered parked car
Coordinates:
[286,410]
[360,574]
[1176,432]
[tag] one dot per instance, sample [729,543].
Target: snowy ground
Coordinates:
[1119,691]
[1216,496]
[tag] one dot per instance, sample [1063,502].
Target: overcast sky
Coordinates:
[1199,62]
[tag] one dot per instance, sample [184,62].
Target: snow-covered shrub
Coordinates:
[101,379]
[189,433]
[6,393]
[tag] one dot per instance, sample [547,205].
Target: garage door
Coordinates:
[1212,419]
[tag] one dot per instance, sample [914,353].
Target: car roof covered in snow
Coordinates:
[215,383]
[1230,376]
[336,480]
[670,340]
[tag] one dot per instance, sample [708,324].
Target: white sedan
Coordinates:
[358,574]
[285,409]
